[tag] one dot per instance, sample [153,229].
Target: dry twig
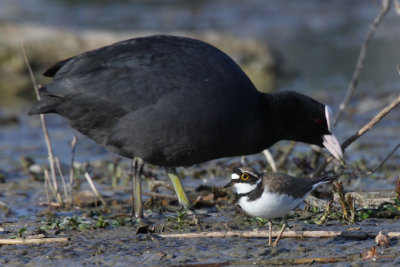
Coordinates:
[32,241]
[72,170]
[372,122]
[361,132]
[270,160]
[47,185]
[50,204]
[283,159]
[361,59]
[44,126]
[383,161]
[93,187]
[289,234]
[62,177]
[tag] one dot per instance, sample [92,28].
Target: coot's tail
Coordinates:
[47,104]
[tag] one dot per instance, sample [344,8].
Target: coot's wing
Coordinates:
[97,88]
[138,72]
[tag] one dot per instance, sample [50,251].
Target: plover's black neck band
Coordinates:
[253,194]
[242,195]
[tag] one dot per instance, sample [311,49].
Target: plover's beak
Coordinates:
[229,184]
[333,146]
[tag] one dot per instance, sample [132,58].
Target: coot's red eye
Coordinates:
[318,121]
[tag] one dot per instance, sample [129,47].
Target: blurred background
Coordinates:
[309,46]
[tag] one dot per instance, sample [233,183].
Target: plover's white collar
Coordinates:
[244,188]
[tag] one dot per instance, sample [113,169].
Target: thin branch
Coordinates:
[361,132]
[48,186]
[288,234]
[50,204]
[270,160]
[62,177]
[90,181]
[361,59]
[383,161]
[32,241]
[283,159]
[371,123]
[43,121]
[28,65]
[72,170]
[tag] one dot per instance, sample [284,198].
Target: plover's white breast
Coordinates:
[269,205]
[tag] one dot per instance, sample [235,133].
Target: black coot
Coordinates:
[175,101]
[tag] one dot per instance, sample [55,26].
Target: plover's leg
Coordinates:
[280,234]
[270,232]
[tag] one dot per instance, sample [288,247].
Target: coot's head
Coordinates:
[304,119]
[321,129]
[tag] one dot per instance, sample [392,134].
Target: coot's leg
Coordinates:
[180,193]
[179,190]
[136,177]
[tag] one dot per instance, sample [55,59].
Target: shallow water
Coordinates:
[320,44]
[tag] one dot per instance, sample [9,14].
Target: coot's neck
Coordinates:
[259,128]
[282,116]
[278,116]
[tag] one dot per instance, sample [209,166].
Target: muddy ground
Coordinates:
[122,246]
[108,237]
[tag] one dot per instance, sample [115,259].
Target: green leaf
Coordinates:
[21,231]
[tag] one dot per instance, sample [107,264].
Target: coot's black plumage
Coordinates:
[175,101]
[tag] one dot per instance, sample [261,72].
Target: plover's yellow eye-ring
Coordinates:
[244,176]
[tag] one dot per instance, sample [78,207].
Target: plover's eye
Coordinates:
[244,176]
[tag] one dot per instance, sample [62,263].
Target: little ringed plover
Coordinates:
[271,195]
